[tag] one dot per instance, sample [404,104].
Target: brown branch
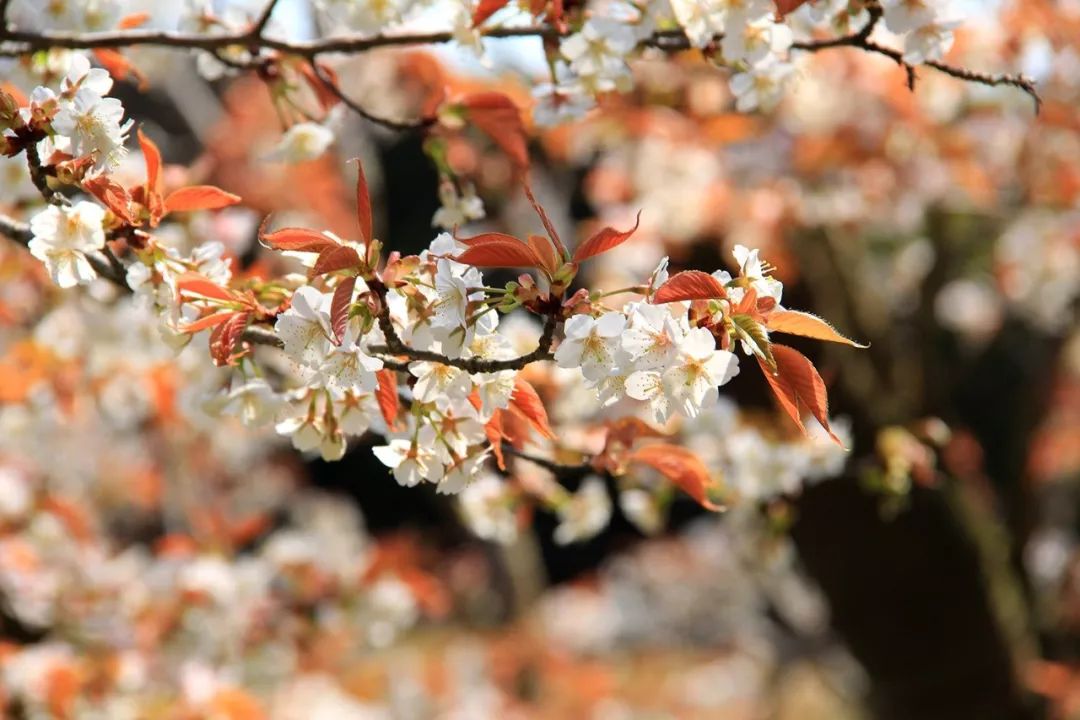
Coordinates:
[264,19]
[332,86]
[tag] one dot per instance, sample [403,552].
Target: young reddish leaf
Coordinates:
[211,320]
[784,7]
[689,285]
[500,253]
[543,248]
[794,322]
[496,115]
[118,66]
[298,240]
[387,396]
[320,82]
[486,9]
[224,338]
[547,222]
[339,307]
[363,204]
[195,284]
[526,403]
[132,21]
[112,195]
[683,468]
[484,238]
[494,432]
[798,385]
[604,240]
[199,197]
[152,157]
[341,257]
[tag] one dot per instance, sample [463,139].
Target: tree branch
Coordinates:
[264,19]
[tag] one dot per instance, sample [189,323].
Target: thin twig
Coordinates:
[330,85]
[264,19]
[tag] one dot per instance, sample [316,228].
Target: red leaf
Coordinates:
[211,320]
[783,7]
[387,396]
[798,385]
[326,96]
[604,240]
[496,115]
[547,222]
[689,285]
[683,468]
[543,248]
[298,240]
[494,432]
[339,307]
[526,403]
[341,257]
[363,204]
[484,238]
[224,338]
[486,9]
[112,195]
[500,253]
[195,284]
[134,20]
[199,197]
[118,66]
[794,322]
[152,157]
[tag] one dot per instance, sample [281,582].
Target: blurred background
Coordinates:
[157,563]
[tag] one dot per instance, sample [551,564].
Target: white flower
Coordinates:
[254,402]
[691,383]
[489,509]
[585,514]
[457,209]
[434,380]
[753,42]
[904,15]
[305,327]
[63,236]
[460,474]
[653,336]
[761,85]
[929,42]
[95,127]
[453,295]
[347,368]
[302,142]
[641,508]
[591,344]
[411,460]
[556,104]
[599,52]
[752,269]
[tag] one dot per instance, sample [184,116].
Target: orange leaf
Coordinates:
[195,284]
[496,115]
[548,225]
[683,468]
[484,238]
[494,432]
[112,195]
[604,240]
[234,704]
[689,285]
[152,157]
[341,257]
[387,396]
[783,7]
[363,204]
[207,321]
[543,248]
[794,322]
[526,403]
[199,197]
[298,240]
[486,9]
[134,20]
[798,385]
[339,307]
[118,66]
[500,253]
[327,98]
[224,338]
